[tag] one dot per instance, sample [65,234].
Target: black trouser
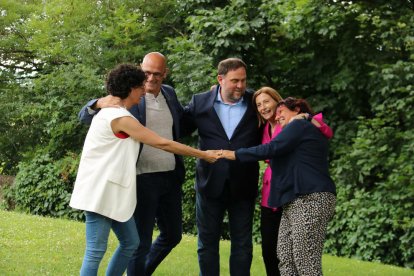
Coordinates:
[269,228]
[158,200]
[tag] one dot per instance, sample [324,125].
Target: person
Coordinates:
[160,175]
[265,101]
[225,119]
[300,182]
[105,186]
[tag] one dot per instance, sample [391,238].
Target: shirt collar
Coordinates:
[150,96]
[220,99]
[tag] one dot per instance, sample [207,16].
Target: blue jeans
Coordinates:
[210,214]
[158,200]
[97,233]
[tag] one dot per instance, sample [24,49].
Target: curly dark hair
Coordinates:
[123,78]
[293,103]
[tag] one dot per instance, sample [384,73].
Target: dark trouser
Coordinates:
[269,228]
[302,234]
[210,214]
[158,199]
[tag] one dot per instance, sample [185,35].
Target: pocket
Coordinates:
[119,178]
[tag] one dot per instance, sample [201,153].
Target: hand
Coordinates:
[211,155]
[300,116]
[228,154]
[218,153]
[108,101]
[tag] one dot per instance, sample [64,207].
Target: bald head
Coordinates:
[155,57]
[154,65]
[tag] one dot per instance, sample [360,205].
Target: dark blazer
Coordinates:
[299,161]
[138,111]
[210,178]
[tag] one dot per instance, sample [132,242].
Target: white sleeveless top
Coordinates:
[106,179]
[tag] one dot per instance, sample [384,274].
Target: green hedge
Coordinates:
[43,186]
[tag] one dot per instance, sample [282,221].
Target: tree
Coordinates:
[353,60]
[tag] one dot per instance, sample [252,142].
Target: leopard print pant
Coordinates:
[302,233]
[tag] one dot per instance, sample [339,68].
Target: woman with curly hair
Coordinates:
[105,186]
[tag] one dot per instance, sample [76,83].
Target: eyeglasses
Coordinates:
[156,75]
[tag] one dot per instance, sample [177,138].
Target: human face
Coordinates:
[266,106]
[155,68]
[136,94]
[284,114]
[233,85]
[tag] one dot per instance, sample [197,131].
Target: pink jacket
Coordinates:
[324,128]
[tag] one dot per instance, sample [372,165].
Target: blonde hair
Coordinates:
[269,91]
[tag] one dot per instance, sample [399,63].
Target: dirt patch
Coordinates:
[5,181]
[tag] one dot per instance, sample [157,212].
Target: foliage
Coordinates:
[352,60]
[53,59]
[374,220]
[189,199]
[43,186]
[195,75]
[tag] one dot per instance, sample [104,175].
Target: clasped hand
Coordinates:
[218,154]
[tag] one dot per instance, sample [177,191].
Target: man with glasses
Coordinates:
[159,174]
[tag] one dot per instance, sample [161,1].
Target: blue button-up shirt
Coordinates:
[229,114]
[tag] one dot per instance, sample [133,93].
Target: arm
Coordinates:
[323,127]
[187,124]
[284,143]
[92,107]
[144,135]
[87,112]
[228,154]
[317,121]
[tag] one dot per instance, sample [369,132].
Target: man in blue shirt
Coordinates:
[225,119]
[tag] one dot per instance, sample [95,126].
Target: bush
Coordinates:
[189,199]
[375,181]
[43,186]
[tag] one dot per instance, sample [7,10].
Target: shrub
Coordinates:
[375,181]
[189,199]
[43,186]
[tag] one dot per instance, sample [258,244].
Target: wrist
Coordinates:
[95,105]
[92,108]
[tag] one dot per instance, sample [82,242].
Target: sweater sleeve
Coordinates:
[324,128]
[284,143]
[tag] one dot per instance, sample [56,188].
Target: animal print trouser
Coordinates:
[302,233]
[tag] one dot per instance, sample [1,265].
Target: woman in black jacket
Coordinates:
[301,184]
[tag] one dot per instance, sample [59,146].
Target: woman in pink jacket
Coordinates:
[265,101]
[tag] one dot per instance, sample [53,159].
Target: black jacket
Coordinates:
[299,161]
[210,178]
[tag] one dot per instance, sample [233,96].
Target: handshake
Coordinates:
[213,155]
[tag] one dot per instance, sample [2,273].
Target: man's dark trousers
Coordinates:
[210,213]
[158,200]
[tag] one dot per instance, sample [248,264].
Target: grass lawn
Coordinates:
[32,245]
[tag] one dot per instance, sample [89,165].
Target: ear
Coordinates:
[220,79]
[167,70]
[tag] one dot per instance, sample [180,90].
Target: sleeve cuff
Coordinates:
[91,111]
